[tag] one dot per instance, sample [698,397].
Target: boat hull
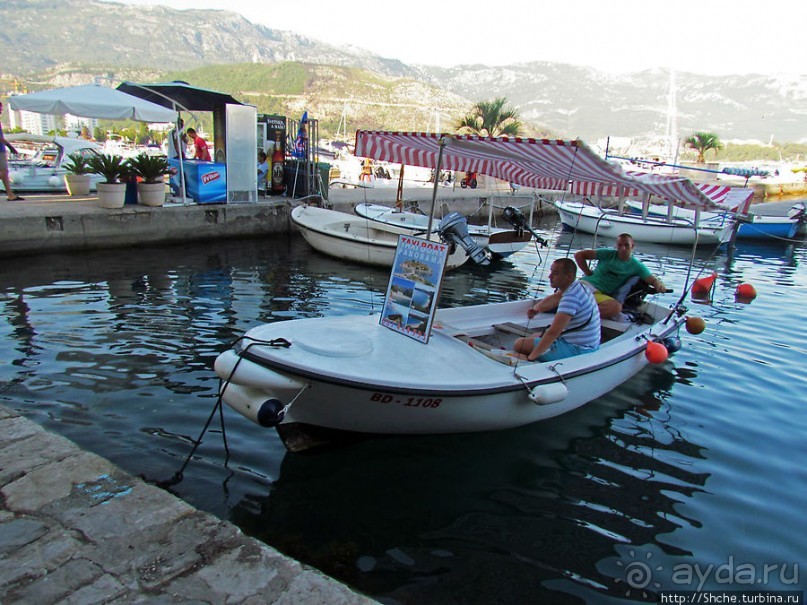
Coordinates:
[590,219]
[754,226]
[768,227]
[351,238]
[352,374]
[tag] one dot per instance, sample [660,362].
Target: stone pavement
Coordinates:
[76,529]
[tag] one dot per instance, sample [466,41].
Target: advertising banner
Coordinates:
[414,287]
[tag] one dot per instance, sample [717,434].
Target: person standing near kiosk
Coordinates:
[200,146]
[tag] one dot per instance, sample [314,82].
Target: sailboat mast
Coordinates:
[671,133]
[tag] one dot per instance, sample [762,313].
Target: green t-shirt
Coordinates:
[610,272]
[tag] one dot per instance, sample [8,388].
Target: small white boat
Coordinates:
[44,171]
[352,374]
[749,226]
[352,238]
[653,228]
[499,242]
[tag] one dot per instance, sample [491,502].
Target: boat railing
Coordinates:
[677,220]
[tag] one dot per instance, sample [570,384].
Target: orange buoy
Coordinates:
[746,291]
[695,325]
[655,352]
[703,285]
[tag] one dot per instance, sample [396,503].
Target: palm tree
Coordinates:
[703,142]
[491,119]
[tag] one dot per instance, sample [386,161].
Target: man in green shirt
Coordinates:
[614,267]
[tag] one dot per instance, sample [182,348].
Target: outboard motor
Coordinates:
[454,229]
[515,217]
[797,212]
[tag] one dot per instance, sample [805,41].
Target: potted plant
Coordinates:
[152,169]
[112,191]
[78,174]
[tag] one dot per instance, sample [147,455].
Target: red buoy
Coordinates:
[655,352]
[746,291]
[702,286]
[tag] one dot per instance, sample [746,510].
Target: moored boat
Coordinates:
[353,374]
[652,228]
[770,227]
[352,238]
[750,225]
[500,242]
[45,172]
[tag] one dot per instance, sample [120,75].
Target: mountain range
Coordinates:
[45,44]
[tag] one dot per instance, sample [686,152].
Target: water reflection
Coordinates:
[23,332]
[530,511]
[114,350]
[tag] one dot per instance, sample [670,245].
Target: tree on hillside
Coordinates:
[491,119]
[703,142]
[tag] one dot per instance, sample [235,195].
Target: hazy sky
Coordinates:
[702,36]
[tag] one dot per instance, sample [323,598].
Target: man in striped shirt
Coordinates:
[576,327]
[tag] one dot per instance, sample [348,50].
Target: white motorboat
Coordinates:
[352,238]
[362,373]
[44,172]
[752,225]
[500,242]
[653,228]
[353,374]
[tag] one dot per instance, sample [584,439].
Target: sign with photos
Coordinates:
[414,287]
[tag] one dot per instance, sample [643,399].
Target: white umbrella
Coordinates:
[93,101]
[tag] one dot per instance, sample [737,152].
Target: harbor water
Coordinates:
[690,476]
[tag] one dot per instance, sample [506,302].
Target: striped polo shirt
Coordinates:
[578,301]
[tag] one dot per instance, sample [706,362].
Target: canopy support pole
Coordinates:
[436,184]
[399,192]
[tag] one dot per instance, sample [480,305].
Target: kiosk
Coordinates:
[205,182]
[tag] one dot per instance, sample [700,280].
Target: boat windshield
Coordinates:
[47,156]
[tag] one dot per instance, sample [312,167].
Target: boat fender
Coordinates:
[673,344]
[656,352]
[271,413]
[548,393]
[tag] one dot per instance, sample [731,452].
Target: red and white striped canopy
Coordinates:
[734,199]
[539,163]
